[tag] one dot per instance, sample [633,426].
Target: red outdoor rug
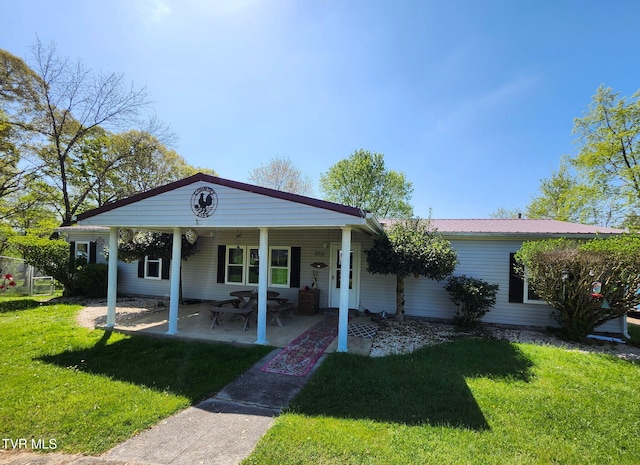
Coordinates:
[298,358]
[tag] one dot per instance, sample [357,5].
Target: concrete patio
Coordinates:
[194,322]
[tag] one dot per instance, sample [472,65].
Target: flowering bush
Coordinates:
[7,282]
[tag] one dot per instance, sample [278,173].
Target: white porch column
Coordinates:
[112,287]
[174,297]
[263,277]
[343,315]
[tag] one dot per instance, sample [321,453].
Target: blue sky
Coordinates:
[473,100]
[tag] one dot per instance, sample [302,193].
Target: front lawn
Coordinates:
[471,401]
[634,332]
[89,390]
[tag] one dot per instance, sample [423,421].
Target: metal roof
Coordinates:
[519,226]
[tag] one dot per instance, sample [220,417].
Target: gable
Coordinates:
[208,201]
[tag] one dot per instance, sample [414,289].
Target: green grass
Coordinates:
[89,390]
[471,401]
[634,332]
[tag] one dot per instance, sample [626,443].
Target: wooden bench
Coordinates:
[280,310]
[220,306]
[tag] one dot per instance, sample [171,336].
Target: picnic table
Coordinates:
[244,303]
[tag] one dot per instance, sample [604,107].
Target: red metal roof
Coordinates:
[519,226]
[493,226]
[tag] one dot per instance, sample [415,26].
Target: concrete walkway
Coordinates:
[218,431]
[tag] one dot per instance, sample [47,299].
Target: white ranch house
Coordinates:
[233,220]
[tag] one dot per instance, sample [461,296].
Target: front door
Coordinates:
[336,272]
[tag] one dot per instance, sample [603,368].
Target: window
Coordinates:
[82,250]
[253,266]
[519,290]
[530,297]
[235,265]
[242,265]
[279,270]
[152,268]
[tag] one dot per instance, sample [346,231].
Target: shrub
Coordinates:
[91,280]
[473,298]
[613,262]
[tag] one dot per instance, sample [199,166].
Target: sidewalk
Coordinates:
[219,431]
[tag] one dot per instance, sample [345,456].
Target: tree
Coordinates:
[116,166]
[609,138]
[411,247]
[568,197]
[363,181]
[282,175]
[66,114]
[506,213]
[68,104]
[49,256]
[587,283]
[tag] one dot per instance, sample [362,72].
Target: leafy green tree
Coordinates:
[568,197]
[49,256]
[562,272]
[19,84]
[67,118]
[506,213]
[280,174]
[609,138]
[363,181]
[411,247]
[116,166]
[67,103]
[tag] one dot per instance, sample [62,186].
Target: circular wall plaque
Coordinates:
[204,201]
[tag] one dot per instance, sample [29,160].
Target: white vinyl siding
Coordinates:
[236,209]
[484,259]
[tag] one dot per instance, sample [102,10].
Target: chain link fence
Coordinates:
[19,278]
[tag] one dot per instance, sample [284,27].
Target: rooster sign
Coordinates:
[204,201]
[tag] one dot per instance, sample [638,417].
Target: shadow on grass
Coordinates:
[15,305]
[426,387]
[190,369]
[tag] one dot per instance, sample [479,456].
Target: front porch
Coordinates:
[194,322]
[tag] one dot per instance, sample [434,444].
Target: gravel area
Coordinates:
[396,338]
[391,338]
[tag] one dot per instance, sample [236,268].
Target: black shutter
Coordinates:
[93,252]
[296,253]
[165,268]
[516,283]
[222,265]
[72,256]
[141,268]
